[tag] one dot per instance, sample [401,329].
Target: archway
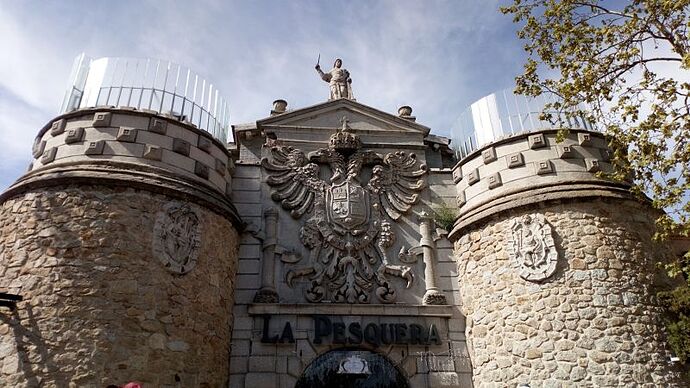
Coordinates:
[346,368]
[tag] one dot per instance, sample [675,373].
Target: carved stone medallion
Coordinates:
[531,247]
[177,237]
[349,230]
[354,365]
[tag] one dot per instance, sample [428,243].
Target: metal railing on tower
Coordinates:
[148,84]
[503,114]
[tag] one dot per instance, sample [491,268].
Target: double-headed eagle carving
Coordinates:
[349,230]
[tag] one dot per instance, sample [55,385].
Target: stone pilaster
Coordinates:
[267,293]
[432,295]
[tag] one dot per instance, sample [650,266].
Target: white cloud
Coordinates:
[30,64]
[435,56]
[19,124]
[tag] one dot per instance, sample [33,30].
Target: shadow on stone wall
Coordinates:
[28,342]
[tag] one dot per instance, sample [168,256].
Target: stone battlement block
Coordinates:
[58,127]
[48,155]
[74,135]
[152,152]
[221,167]
[592,165]
[38,147]
[201,170]
[537,141]
[204,144]
[181,147]
[158,126]
[565,152]
[489,155]
[516,160]
[101,119]
[585,139]
[95,147]
[126,134]
[544,167]
[494,180]
[473,177]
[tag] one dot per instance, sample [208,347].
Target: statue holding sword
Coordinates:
[338,79]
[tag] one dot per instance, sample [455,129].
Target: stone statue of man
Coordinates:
[339,81]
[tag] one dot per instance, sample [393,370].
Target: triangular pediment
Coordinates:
[330,114]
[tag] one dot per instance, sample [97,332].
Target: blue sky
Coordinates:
[436,56]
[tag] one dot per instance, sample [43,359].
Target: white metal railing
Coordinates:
[502,114]
[158,85]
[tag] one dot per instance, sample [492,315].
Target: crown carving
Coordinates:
[343,140]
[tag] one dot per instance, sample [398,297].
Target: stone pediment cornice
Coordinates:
[301,117]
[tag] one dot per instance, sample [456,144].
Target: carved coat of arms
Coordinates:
[531,246]
[177,237]
[349,230]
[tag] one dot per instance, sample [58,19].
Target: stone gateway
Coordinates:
[334,245]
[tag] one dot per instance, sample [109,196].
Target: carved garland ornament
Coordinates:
[177,237]
[531,246]
[349,231]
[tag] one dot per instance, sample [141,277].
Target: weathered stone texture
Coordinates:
[594,322]
[98,308]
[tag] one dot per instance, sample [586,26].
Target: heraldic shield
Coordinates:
[348,205]
[348,232]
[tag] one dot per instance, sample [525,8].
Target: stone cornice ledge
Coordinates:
[347,309]
[126,175]
[522,198]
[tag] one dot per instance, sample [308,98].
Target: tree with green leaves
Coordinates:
[623,65]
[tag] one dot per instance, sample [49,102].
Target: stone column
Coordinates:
[267,293]
[432,296]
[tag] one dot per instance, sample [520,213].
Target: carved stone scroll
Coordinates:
[531,247]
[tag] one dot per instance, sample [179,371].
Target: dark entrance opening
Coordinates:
[346,368]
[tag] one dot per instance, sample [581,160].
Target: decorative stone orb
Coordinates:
[404,111]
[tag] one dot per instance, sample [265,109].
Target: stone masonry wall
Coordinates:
[256,364]
[98,307]
[594,322]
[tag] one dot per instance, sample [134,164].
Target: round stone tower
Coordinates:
[557,269]
[122,241]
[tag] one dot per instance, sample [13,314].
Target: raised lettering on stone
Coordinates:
[286,335]
[372,333]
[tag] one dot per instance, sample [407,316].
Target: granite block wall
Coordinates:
[99,307]
[594,322]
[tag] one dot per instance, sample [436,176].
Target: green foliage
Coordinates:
[677,302]
[445,216]
[622,69]
[615,62]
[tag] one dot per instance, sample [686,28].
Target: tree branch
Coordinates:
[629,66]
[602,9]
